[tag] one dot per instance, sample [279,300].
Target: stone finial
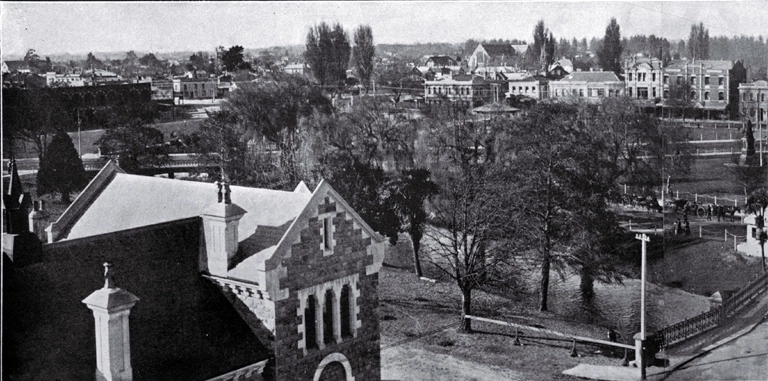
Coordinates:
[227,193]
[108,281]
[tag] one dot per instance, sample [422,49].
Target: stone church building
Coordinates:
[146,278]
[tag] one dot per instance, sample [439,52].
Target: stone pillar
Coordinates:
[37,220]
[639,360]
[319,319]
[111,307]
[220,223]
[337,314]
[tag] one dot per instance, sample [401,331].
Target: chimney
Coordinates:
[111,307]
[37,220]
[15,204]
[220,223]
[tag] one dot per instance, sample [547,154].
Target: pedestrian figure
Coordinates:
[687,228]
[613,335]
[709,212]
[718,211]
[678,227]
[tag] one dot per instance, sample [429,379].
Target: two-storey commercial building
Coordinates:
[592,86]
[464,89]
[754,101]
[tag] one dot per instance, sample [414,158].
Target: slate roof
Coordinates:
[706,64]
[14,66]
[134,201]
[591,76]
[496,50]
[495,108]
[442,60]
[182,328]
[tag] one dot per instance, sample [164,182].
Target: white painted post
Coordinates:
[696,197]
[625,188]
[630,225]
[725,235]
[715,200]
[640,337]
[678,194]
[734,243]
[699,231]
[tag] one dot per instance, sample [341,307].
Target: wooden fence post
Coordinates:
[725,236]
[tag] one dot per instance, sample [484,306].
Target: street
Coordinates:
[745,358]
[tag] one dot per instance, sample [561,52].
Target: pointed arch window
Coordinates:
[310,323]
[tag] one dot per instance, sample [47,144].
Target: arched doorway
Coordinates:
[334,367]
[333,372]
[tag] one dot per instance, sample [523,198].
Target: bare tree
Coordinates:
[472,216]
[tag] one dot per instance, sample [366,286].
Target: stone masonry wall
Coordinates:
[308,265]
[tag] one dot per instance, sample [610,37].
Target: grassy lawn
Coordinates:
[421,316]
[704,265]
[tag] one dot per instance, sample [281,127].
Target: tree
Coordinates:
[409,192]
[233,58]
[62,170]
[32,115]
[749,174]
[472,219]
[538,55]
[698,42]
[758,204]
[565,161]
[223,144]
[274,110]
[609,54]
[91,62]
[548,57]
[34,61]
[135,146]
[327,53]
[363,51]
[130,58]
[680,96]
[750,137]
[363,185]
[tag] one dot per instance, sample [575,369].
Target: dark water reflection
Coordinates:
[618,306]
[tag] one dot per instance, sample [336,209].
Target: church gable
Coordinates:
[323,277]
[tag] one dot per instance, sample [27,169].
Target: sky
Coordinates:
[79,28]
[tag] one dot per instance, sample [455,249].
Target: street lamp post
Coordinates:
[640,337]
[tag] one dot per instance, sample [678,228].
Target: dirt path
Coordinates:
[406,363]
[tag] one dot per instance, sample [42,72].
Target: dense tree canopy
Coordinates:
[328,53]
[61,170]
[698,42]
[609,54]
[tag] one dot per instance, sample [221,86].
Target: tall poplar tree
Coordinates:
[363,53]
[698,42]
[609,54]
[328,53]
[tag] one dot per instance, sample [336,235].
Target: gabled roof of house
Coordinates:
[14,66]
[495,50]
[520,48]
[442,60]
[591,76]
